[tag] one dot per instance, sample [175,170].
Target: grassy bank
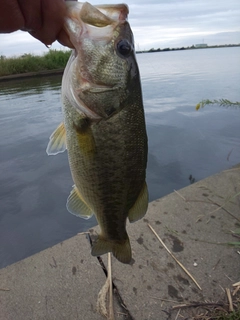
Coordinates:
[54,59]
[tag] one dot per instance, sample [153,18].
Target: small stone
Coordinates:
[195,264]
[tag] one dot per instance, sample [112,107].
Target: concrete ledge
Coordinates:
[63,282]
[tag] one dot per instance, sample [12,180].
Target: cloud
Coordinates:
[20,42]
[159,23]
[183,23]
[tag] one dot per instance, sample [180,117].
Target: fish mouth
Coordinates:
[98,15]
[96,22]
[85,21]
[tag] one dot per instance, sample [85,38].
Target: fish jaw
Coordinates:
[91,29]
[69,92]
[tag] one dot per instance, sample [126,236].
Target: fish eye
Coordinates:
[124,47]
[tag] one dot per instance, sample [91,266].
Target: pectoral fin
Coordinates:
[139,208]
[77,206]
[57,141]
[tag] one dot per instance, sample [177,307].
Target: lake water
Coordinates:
[182,142]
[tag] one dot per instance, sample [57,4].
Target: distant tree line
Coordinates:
[188,48]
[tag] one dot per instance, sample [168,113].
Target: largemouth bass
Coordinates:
[104,127]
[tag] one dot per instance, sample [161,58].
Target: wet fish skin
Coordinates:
[105,131]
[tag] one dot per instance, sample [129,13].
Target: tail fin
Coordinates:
[121,250]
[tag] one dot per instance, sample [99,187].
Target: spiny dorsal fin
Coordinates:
[77,206]
[139,208]
[57,141]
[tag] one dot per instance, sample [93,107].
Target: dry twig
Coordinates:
[82,233]
[196,305]
[221,207]
[178,314]
[105,292]
[4,289]
[178,262]
[237,288]
[227,200]
[236,291]
[229,299]
[236,284]
[111,311]
[116,291]
[167,300]
[213,202]
[179,194]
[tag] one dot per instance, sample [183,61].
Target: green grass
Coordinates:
[53,59]
[235,315]
[217,313]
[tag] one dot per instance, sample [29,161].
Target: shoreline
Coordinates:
[43,73]
[201,47]
[59,71]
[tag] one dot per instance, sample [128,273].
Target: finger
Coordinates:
[53,13]
[63,37]
[64,40]
[32,13]
[12,19]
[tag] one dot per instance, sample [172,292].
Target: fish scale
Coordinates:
[104,126]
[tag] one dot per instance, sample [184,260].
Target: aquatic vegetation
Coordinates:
[220,102]
[54,59]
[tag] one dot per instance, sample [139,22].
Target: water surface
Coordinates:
[182,142]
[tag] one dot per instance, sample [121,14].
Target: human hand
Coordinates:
[43,19]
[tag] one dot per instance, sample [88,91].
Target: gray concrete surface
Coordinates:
[63,282]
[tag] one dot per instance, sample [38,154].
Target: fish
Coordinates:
[103,128]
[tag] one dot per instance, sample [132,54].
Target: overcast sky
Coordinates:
[158,24]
